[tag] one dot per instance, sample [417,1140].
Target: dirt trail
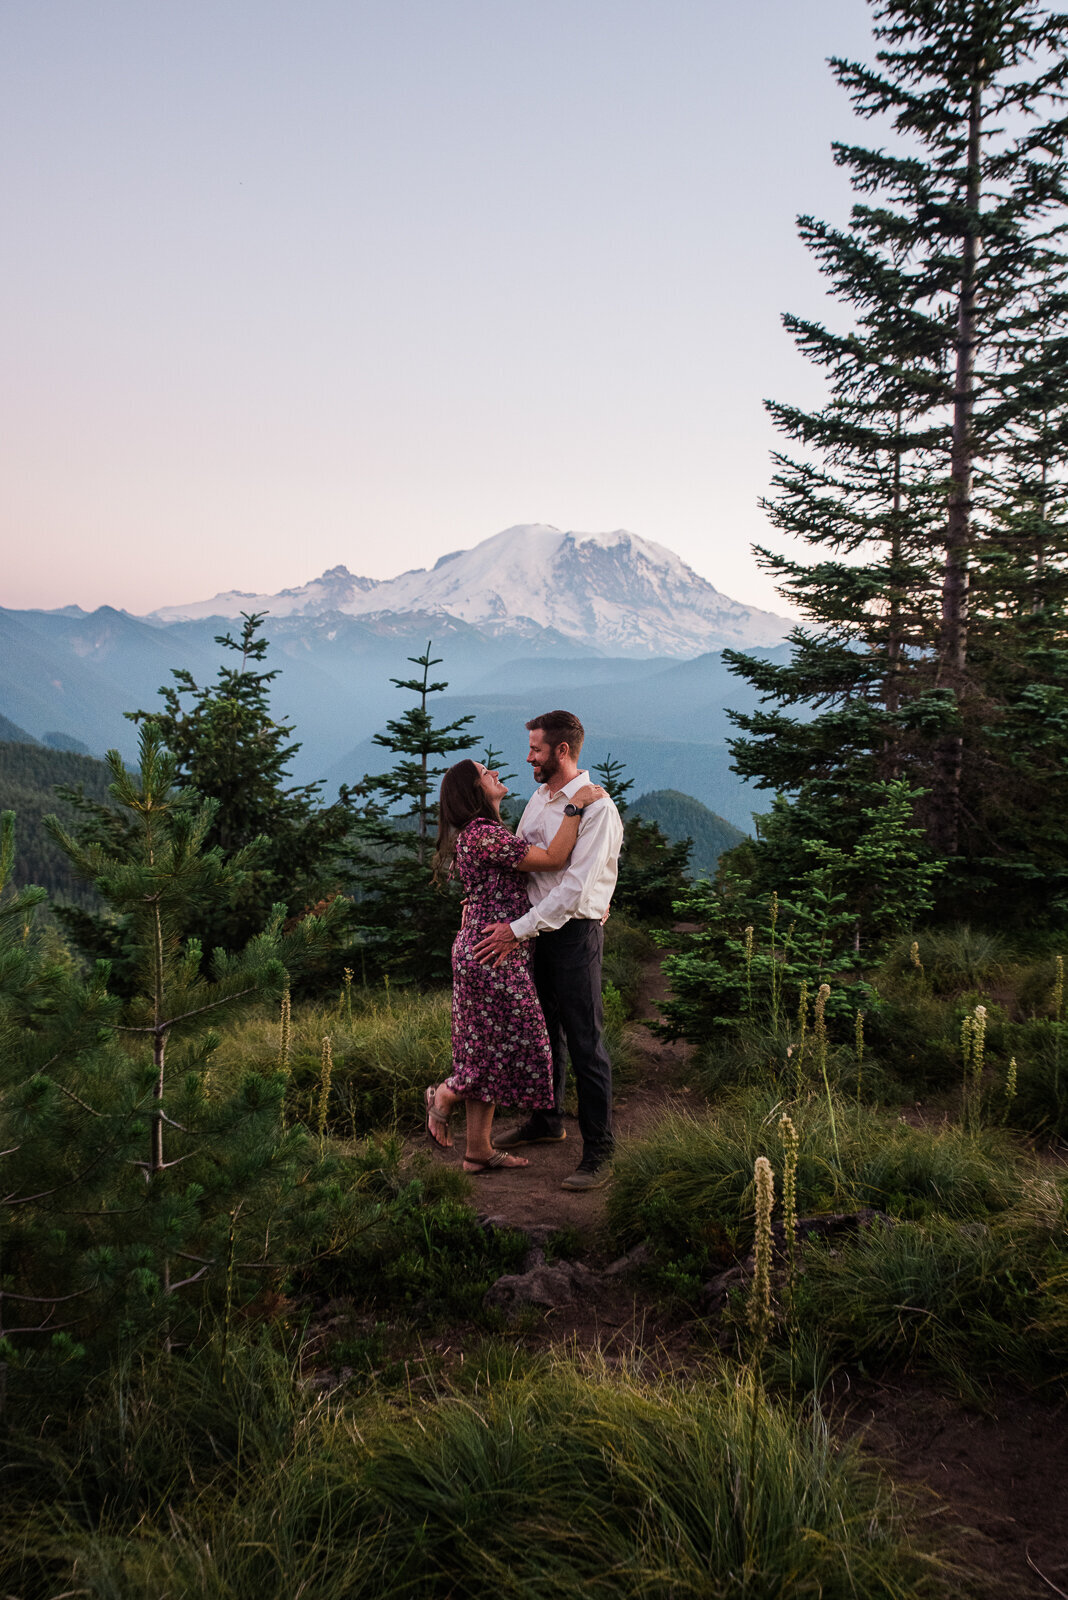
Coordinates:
[532,1196]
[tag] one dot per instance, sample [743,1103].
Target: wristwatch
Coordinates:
[573,811]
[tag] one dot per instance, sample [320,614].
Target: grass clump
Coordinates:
[974,1301]
[422,1248]
[563,1479]
[687,1185]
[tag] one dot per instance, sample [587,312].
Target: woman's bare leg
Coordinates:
[479,1143]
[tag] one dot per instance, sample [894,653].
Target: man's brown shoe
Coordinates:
[584,1178]
[527,1133]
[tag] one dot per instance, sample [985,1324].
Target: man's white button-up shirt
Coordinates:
[583,887]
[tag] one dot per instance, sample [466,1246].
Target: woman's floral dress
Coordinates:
[500,1046]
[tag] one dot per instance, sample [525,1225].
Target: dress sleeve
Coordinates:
[494,843]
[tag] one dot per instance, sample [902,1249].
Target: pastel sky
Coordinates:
[363,281]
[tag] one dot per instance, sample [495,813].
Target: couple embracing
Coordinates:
[527,960]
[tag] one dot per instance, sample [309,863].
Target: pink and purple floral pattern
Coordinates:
[500,1046]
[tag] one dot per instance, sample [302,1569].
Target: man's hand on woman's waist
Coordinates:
[496,944]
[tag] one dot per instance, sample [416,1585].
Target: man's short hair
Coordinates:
[560,727]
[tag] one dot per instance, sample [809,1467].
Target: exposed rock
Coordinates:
[832,1225]
[541,1285]
[633,1261]
[558,1284]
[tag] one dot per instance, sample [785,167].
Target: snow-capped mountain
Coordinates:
[614,592]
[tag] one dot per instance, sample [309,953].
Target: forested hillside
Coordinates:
[680,816]
[29,774]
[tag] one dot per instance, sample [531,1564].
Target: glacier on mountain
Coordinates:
[615,592]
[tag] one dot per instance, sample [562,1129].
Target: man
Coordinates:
[567,913]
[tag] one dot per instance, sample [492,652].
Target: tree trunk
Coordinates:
[953,640]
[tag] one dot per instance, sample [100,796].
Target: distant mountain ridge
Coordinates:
[613,627]
[610,593]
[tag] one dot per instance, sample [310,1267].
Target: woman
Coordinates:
[500,1047]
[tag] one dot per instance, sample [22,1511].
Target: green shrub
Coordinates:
[384,1055]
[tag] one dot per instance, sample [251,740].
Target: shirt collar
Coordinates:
[578,782]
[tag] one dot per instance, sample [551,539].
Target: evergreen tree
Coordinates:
[931,474]
[406,921]
[129,1176]
[228,747]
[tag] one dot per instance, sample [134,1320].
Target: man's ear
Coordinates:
[563,749]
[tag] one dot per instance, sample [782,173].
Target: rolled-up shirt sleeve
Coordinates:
[586,883]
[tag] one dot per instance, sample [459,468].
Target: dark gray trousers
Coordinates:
[567,975]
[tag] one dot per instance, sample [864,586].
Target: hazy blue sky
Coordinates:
[363,281]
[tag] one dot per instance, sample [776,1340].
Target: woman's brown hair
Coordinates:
[462,799]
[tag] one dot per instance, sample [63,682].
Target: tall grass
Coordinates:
[687,1185]
[978,1302]
[569,1479]
[385,1050]
[385,1047]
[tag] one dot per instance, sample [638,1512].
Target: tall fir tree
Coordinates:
[406,921]
[931,457]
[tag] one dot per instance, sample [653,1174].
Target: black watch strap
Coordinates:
[571,810]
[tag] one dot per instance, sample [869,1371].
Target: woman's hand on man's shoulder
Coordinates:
[587,795]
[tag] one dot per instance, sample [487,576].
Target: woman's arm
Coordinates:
[559,851]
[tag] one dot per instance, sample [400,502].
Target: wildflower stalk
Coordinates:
[325,1075]
[858,1038]
[791,1146]
[1010,1089]
[749,969]
[759,1308]
[802,1024]
[1058,1012]
[819,1033]
[972,1046]
[775,982]
[284,1030]
[914,952]
[759,1316]
[346,993]
[228,1304]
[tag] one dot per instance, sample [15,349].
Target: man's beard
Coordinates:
[547,769]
